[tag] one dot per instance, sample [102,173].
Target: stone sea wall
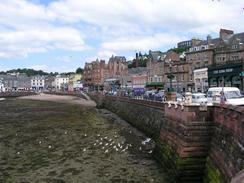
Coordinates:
[15,94]
[192,145]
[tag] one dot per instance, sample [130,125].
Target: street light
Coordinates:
[170,75]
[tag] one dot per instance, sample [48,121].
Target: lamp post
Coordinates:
[171,95]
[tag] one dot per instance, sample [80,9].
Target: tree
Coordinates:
[79,71]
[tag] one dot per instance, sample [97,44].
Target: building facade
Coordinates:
[16,82]
[200,78]
[37,83]
[94,75]
[61,82]
[180,71]
[221,53]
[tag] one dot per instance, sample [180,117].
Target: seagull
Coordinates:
[85,134]
[101,138]
[103,147]
[98,135]
[105,137]
[95,144]
[110,140]
[49,147]
[65,133]
[106,144]
[140,148]
[106,151]
[18,153]
[84,150]
[40,142]
[100,143]
[146,141]
[150,152]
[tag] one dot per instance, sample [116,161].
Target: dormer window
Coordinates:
[235,46]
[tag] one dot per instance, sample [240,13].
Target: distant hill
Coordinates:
[28,72]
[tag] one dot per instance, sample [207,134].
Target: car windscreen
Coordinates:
[232,94]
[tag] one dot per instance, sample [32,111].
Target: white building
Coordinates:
[2,89]
[61,82]
[201,79]
[37,83]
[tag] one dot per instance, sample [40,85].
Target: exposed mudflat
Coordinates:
[61,99]
[69,141]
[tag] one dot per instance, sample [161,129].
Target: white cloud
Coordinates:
[105,54]
[27,27]
[21,43]
[141,43]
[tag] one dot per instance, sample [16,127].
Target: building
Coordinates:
[61,82]
[117,66]
[2,89]
[180,71]
[138,79]
[37,83]
[189,43]
[116,74]
[200,78]
[16,82]
[49,83]
[75,82]
[224,52]
[94,75]
[225,75]
[155,67]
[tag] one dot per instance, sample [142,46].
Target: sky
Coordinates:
[61,35]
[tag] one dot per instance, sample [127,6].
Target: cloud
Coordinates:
[105,54]
[24,42]
[28,27]
[141,43]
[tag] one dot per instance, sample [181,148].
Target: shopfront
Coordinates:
[226,76]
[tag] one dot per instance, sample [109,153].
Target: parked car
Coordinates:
[149,95]
[232,95]
[180,97]
[199,98]
[159,96]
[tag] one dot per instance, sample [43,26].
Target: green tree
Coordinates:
[79,70]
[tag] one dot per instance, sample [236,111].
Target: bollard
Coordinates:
[188,98]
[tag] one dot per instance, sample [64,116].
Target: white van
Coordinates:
[232,95]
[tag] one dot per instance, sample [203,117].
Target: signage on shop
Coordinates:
[221,71]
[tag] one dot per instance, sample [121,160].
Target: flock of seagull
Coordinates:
[107,144]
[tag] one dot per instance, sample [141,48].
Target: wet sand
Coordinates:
[61,99]
[58,142]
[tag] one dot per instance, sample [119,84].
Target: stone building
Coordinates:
[180,70]
[221,54]
[155,67]
[94,75]
[189,43]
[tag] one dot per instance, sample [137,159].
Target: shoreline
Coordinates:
[61,99]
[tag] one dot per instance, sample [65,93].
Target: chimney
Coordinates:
[224,33]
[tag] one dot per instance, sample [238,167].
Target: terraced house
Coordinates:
[223,56]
